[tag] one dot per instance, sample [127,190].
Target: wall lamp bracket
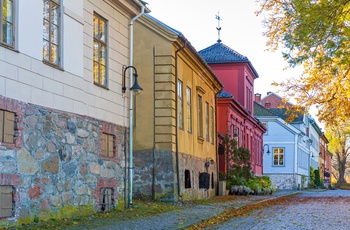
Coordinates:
[268,148]
[136,88]
[209,161]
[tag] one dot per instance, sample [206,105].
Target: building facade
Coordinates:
[175,121]
[64,117]
[288,162]
[235,103]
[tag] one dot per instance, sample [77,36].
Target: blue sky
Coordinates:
[241,30]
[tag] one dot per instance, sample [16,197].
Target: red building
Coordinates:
[271,100]
[235,103]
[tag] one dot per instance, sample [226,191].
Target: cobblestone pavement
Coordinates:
[193,214]
[308,210]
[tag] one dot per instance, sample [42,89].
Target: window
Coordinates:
[107,146]
[6,199]
[180,114]
[189,109]
[100,51]
[7,22]
[212,124]
[207,121]
[278,156]
[51,33]
[106,199]
[7,126]
[212,181]
[249,99]
[187,178]
[200,116]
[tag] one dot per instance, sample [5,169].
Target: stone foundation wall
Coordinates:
[155,176]
[285,181]
[55,161]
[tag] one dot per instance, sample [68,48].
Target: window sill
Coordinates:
[102,86]
[200,140]
[53,65]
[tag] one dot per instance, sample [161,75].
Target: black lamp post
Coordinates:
[136,88]
[268,148]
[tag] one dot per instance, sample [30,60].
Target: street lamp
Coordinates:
[268,148]
[136,88]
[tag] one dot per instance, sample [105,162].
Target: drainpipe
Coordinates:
[176,119]
[131,104]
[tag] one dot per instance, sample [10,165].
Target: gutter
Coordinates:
[131,105]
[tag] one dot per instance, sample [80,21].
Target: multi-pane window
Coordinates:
[51,32]
[7,126]
[278,156]
[7,22]
[207,121]
[180,112]
[189,109]
[200,116]
[107,147]
[100,51]
[212,120]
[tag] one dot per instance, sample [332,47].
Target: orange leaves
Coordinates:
[231,213]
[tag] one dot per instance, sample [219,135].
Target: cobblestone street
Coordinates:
[307,210]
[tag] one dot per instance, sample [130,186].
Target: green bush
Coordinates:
[317,180]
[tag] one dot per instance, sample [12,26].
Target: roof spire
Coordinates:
[217,17]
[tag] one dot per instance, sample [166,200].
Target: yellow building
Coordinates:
[174,133]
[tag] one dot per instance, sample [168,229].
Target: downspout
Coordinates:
[176,121]
[131,104]
[296,149]
[154,127]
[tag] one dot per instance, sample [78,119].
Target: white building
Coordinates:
[63,116]
[288,161]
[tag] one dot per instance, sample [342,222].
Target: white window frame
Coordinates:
[101,42]
[13,23]
[189,109]
[58,63]
[277,151]
[180,105]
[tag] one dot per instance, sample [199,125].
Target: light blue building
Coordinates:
[287,156]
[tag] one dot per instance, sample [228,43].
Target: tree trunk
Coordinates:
[341,168]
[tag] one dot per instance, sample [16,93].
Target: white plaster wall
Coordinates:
[30,28]
[24,77]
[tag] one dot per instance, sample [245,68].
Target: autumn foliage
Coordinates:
[314,34]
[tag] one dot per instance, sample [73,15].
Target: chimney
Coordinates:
[258,98]
[268,92]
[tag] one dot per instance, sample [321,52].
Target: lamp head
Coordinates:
[136,88]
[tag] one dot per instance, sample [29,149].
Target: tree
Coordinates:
[339,137]
[316,35]
[238,160]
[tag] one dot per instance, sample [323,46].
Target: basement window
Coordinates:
[6,201]
[7,126]
[106,199]
[187,178]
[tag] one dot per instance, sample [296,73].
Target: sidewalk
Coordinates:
[192,214]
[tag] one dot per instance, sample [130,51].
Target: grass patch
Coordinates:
[344,186]
[138,210]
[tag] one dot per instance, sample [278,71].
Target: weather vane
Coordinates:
[217,17]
